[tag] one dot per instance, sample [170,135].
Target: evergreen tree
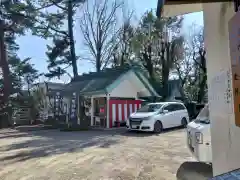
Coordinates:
[22,72]
[158,44]
[61,54]
[15,18]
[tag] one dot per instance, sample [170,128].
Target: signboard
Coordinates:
[234,40]
[57,103]
[73,109]
[220,91]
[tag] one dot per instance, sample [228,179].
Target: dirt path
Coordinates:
[93,155]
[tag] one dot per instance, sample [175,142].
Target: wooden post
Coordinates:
[68,109]
[108,98]
[92,110]
[79,109]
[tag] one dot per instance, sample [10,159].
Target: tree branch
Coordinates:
[99,33]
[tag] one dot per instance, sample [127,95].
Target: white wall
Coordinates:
[225,135]
[129,87]
[124,89]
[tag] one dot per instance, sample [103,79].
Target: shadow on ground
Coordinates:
[36,144]
[146,134]
[194,171]
[22,144]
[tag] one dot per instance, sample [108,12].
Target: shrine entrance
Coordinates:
[222,38]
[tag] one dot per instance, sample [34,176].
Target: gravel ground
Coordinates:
[91,155]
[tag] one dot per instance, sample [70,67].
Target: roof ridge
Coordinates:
[102,73]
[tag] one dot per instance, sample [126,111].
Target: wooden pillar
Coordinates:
[108,118]
[136,96]
[78,109]
[92,110]
[68,109]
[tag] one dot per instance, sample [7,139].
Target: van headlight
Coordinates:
[199,137]
[146,118]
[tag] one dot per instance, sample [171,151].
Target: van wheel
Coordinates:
[184,122]
[158,127]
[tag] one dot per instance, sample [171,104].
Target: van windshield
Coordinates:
[203,116]
[150,108]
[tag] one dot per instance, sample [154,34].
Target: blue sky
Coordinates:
[35,47]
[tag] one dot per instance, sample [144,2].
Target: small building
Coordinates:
[36,99]
[173,93]
[113,94]
[173,90]
[43,90]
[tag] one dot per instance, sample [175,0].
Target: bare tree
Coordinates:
[170,53]
[192,71]
[126,33]
[100,31]
[199,58]
[122,51]
[185,71]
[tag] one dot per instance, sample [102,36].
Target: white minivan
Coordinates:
[199,136]
[157,116]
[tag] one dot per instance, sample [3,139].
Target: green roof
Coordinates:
[94,82]
[98,82]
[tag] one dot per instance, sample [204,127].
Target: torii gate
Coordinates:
[225,117]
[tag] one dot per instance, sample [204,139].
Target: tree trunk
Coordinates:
[165,74]
[202,87]
[115,61]
[203,81]
[124,52]
[28,90]
[148,60]
[149,66]
[71,39]
[182,93]
[98,61]
[4,65]
[122,59]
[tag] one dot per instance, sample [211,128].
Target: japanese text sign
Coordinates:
[234,44]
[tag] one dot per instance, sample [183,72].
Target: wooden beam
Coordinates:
[174,2]
[161,3]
